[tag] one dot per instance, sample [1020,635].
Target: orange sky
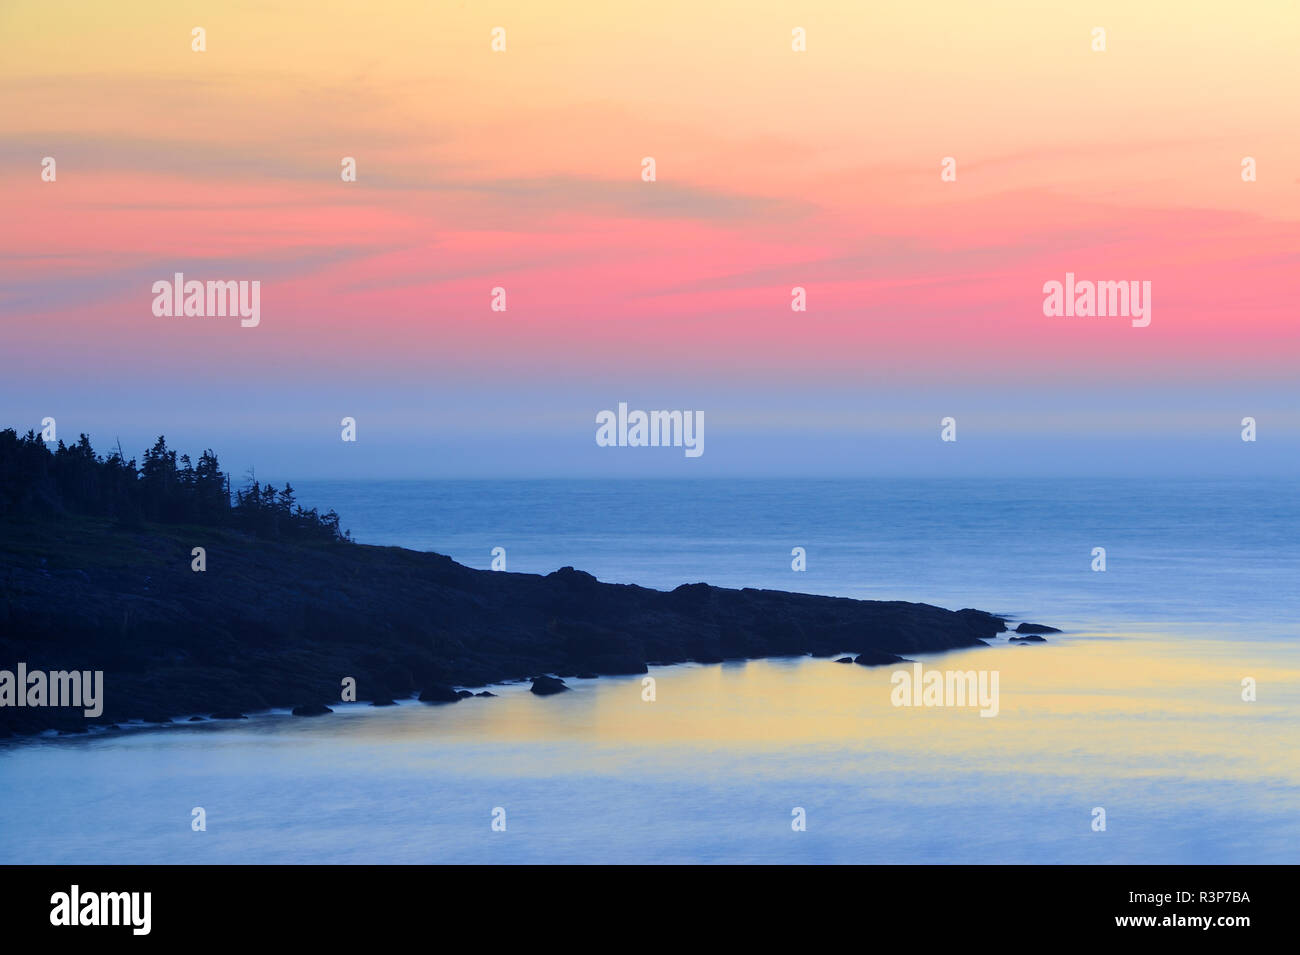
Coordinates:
[775,168]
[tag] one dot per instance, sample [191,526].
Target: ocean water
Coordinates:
[1200,552]
[1136,709]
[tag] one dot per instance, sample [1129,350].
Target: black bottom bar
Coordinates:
[338,904]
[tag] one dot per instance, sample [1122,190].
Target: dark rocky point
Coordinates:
[844,660]
[1035,628]
[285,617]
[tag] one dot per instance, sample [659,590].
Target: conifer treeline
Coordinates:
[37,481]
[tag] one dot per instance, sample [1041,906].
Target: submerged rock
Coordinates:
[844,660]
[1035,628]
[546,685]
[876,658]
[439,693]
[383,702]
[485,693]
[311,709]
[1032,638]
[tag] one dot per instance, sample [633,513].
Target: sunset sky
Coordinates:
[775,168]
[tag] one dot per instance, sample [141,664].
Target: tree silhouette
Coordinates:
[43,484]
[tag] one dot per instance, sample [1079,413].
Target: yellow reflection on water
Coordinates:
[1127,705]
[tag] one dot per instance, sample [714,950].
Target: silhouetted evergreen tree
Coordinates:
[41,483]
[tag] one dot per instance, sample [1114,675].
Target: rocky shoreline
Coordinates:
[272,624]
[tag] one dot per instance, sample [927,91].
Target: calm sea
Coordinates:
[1137,710]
